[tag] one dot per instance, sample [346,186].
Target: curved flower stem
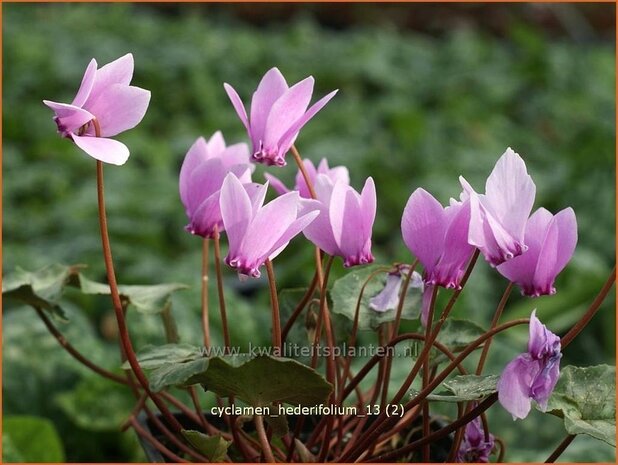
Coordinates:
[494,323]
[205,320]
[378,425]
[222,310]
[592,310]
[75,353]
[490,400]
[425,405]
[275,308]
[261,432]
[560,449]
[117,304]
[156,444]
[301,167]
[299,308]
[502,451]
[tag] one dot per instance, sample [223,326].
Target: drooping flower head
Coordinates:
[531,375]
[498,217]
[105,105]
[278,112]
[474,448]
[338,173]
[201,177]
[346,219]
[257,232]
[388,297]
[438,237]
[551,242]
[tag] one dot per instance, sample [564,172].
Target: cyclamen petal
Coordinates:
[437,236]
[552,240]
[278,112]
[255,231]
[532,375]
[474,448]
[388,297]
[106,101]
[337,173]
[343,229]
[498,217]
[204,168]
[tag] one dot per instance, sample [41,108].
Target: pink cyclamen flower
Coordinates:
[474,448]
[346,219]
[438,237]
[551,242]
[257,232]
[388,297]
[201,177]
[531,375]
[278,113]
[105,105]
[337,173]
[498,217]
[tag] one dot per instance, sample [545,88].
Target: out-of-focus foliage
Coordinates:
[413,110]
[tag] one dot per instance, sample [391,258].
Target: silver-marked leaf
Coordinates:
[151,357]
[586,398]
[466,388]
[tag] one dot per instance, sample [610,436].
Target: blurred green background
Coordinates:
[427,92]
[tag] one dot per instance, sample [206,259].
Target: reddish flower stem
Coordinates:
[299,308]
[222,309]
[205,320]
[560,449]
[117,304]
[274,301]
[425,405]
[155,443]
[261,433]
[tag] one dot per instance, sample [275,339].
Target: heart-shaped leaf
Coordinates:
[41,288]
[151,357]
[586,399]
[456,334]
[345,292]
[265,380]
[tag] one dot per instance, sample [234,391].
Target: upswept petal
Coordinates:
[368,205]
[294,229]
[510,192]
[287,139]
[388,297]
[268,226]
[105,150]
[423,226]
[323,188]
[257,194]
[346,219]
[236,212]
[271,87]
[238,105]
[537,336]
[514,385]
[544,384]
[216,144]
[520,269]
[119,108]
[543,276]
[320,232]
[567,238]
[288,108]
[235,154]
[196,154]
[119,71]
[71,117]
[457,252]
[204,180]
[277,184]
[86,86]
[206,217]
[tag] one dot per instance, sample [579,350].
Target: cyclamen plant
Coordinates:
[222,202]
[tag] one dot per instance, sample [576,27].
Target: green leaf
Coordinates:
[466,388]
[151,357]
[146,299]
[33,439]
[41,288]
[265,380]
[345,292]
[586,399]
[97,404]
[171,364]
[213,447]
[456,334]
